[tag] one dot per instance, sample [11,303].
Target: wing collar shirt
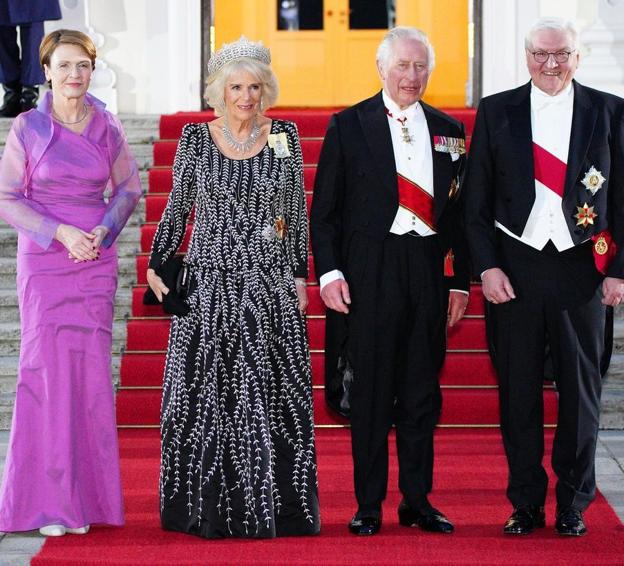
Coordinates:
[413,160]
[551,124]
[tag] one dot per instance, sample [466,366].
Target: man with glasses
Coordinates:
[544,205]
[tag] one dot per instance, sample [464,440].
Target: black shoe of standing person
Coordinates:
[11,105]
[524,520]
[365,523]
[28,100]
[570,522]
[430,519]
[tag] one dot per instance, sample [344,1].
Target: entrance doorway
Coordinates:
[323,51]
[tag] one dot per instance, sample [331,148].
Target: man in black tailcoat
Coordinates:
[385,213]
[20,71]
[544,208]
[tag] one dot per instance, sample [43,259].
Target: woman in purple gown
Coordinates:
[62,468]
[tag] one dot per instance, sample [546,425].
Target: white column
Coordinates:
[602,67]
[155,48]
[76,16]
[504,26]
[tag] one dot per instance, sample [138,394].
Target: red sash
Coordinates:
[415,199]
[551,172]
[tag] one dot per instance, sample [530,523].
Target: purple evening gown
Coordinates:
[63,464]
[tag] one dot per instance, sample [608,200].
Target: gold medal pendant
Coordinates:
[453,190]
[601,247]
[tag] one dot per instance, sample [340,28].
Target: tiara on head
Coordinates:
[237,50]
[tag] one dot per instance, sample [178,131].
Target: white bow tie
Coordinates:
[539,102]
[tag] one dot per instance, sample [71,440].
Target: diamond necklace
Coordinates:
[241,146]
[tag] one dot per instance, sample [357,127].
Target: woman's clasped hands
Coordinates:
[81,246]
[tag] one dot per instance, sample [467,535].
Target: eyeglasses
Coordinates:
[559,56]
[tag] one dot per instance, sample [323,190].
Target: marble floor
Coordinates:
[17,549]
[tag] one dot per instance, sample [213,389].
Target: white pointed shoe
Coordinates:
[79,531]
[52,531]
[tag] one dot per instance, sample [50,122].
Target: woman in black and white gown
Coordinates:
[238,456]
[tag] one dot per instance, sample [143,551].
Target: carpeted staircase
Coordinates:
[468,381]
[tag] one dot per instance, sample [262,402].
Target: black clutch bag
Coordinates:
[176,275]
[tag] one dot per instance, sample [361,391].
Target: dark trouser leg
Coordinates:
[375,327]
[30,39]
[418,399]
[10,68]
[576,330]
[519,344]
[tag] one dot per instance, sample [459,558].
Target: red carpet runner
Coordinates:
[470,395]
[470,476]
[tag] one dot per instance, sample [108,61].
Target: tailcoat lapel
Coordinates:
[583,122]
[442,163]
[519,116]
[377,134]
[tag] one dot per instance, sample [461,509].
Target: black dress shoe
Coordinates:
[524,520]
[365,524]
[11,102]
[430,520]
[570,522]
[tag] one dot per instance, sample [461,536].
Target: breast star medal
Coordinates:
[585,215]
[593,180]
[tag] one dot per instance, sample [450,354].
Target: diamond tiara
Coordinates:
[237,50]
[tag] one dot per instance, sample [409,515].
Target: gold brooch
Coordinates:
[585,215]
[281,228]
[601,247]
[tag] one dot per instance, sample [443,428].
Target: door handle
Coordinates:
[330,13]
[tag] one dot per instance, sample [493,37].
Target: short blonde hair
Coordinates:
[215,83]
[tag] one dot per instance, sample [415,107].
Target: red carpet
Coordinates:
[469,487]
[468,379]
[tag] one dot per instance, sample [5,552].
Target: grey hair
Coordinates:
[384,51]
[216,83]
[552,24]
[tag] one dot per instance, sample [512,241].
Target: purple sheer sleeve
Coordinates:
[126,185]
[15,207]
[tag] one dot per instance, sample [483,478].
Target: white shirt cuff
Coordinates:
[460,291]
[330,276]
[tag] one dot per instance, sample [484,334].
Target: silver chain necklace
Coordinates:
[86,111]
[241,146]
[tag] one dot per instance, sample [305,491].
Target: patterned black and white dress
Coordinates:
[238,456]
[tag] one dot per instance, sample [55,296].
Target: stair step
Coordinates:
[152,334]
[160,178]
[142,261]
[310,122]
[466,407]
[139,369]
[164,151]
[155,203]
[10,337]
